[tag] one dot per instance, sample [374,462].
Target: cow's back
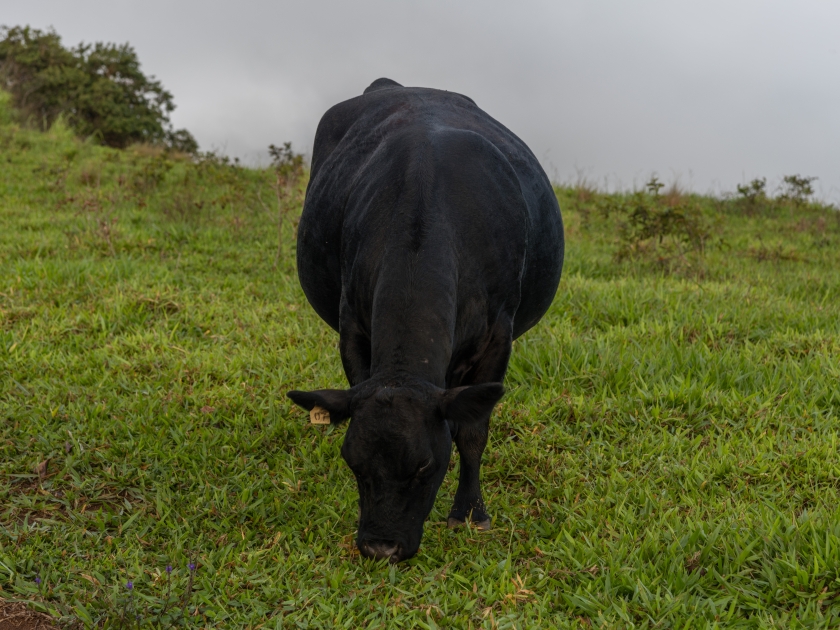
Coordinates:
[357,149]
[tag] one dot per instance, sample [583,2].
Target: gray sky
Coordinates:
[710,92]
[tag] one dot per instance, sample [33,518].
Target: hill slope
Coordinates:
[667,452]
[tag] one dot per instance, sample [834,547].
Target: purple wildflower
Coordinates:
[168,569]
[129,585]
[38,580]
[191,566]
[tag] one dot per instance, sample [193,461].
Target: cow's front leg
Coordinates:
[489,366]
[469,503]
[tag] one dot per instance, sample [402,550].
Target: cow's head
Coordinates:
[398,447]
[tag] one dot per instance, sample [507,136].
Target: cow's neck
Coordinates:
[413,318]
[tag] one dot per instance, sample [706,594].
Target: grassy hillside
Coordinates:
[666,455]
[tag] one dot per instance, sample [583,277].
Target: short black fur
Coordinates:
[430,239]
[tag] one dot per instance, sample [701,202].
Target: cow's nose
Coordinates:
[380,550]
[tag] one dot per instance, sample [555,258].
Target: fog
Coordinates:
[710,94]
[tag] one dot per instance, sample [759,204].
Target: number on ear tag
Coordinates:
[319,415]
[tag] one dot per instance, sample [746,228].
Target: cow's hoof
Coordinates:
[454,523]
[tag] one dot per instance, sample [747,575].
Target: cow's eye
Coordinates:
[425,467]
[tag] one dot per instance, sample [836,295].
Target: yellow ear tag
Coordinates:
[319,415]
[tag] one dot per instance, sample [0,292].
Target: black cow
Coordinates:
[430,239]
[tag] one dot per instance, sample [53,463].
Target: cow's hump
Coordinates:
[381,84]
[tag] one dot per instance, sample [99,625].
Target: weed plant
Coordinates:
[666,455]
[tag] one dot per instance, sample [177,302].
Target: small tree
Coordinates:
[99,88]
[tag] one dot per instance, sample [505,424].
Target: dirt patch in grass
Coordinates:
[17,616]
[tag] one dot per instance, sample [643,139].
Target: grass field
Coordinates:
[666,455]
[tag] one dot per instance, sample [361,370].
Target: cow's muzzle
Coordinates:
[381,550]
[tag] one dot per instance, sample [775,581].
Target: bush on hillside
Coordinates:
[754,194]
[669,230]
[795,191]
[99,89]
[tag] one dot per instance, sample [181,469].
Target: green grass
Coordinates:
[666,455]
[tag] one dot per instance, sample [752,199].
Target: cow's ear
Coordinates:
[470,403]
[335,401]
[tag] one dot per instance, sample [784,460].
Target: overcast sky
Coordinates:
[712,93]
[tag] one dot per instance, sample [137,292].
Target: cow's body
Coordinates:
[430,239]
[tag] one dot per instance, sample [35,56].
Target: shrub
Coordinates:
[670,230]
[754,193]
[797,189]
[148,172]
[98,88]
[182,140]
